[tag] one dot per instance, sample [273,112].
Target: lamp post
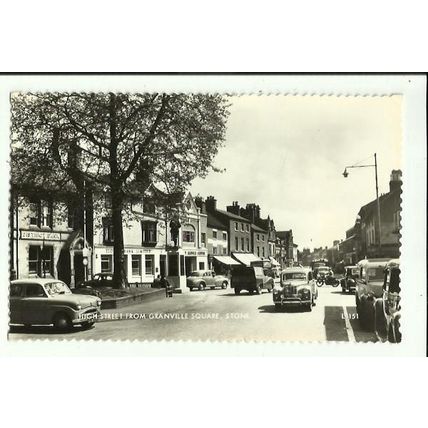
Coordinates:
[346,173]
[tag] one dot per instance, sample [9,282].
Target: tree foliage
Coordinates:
[114,143]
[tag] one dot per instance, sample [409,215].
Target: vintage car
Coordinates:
[50,301]
[296,287]
[93,286]
[369,288]
[349,281]
[202,279]
[322,272]
[250,278]
[387,307]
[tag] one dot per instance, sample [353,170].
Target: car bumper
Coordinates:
[295,300]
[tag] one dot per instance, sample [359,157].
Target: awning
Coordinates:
[274,262]
[246,258]
[226,260]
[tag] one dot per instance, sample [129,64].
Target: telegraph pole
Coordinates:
[378,209]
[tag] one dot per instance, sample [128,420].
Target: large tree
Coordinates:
[114,143]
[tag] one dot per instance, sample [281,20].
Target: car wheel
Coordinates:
[61,321]
[258,290]
[367,316]
[224,285]
[191,288]
[237,290]
[201,286]
[381,328]
[251,291]
[309,307]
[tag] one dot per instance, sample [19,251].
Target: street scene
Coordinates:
[205,217]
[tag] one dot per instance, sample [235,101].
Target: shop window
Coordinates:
[172,264]
[224,236]
[150,265]
[33,260]
[47,261]
[106,263]
[214,234]
[236,244]
[108,231]
[136,265]
[149,229]
[201,266]
[203,239]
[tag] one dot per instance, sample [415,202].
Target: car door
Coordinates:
[209,280]
[35,308]
[15,304]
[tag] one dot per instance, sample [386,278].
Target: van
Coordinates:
[251,279]
[369,288]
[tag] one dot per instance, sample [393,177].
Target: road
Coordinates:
[220,315]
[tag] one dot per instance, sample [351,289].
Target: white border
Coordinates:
[413,90]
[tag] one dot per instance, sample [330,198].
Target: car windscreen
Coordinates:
[196,274]
[323,269]
[54,288]
[294,275]
[375,273]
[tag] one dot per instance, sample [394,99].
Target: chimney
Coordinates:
[234,208]
[200,203]
[395,181]
[211,203]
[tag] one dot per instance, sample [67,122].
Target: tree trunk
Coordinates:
[119,277]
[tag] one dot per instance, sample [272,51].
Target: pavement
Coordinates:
[220,315]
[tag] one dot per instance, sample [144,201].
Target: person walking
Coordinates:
[164,283]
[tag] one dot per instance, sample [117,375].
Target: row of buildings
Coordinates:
[364,239]
[50,239]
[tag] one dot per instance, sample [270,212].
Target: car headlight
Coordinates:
[305,292]
[78,307]
[99,302]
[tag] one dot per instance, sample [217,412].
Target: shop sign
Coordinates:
[194,253]
[137,250]
[46,236]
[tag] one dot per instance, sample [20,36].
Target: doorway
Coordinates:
[79,268]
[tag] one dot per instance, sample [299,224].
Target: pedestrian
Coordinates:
[164,283]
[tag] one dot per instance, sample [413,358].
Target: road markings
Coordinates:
[349,329]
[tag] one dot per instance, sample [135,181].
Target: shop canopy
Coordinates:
[274,262]
[226,260]
[246,258]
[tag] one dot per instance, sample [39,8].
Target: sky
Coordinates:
[287,154]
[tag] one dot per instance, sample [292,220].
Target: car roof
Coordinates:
[295,269]
[41,281]
[370,263]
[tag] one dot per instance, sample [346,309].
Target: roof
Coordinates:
[283,234]
[233,216]
[226,260]
[372,205]
[257,228]
[215,223]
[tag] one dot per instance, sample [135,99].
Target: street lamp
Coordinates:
[346,173]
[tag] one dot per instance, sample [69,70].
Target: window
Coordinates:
[214,250]
[108,231]
[33,259]
[242,226]
[214,234]
[263,251]
[236,244]
[224,250]
[247,227]
[203,239]
[34,290]
[236,226]
[40,213]
[263,238]
[188,233]
[258,251]
[201,266]
[242,244]
[47,260]
[106,263]
[150,264]
[149,231]
[248,244]
[224,236]
[258,237]
[136,264]
[182,266]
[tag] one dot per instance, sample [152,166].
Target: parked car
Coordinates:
[296,287]
[92,286]
[50,301]
[252,279]
[387,307]
[202,279]
[349,281]
[368,289]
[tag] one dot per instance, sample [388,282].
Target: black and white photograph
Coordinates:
[206,216]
